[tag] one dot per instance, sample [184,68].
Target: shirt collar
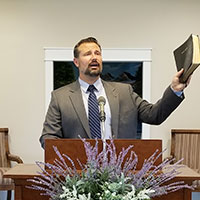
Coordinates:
[84,85]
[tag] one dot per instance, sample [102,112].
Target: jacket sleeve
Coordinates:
[158,112]
[52,124]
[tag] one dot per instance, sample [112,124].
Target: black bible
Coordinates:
[187,56]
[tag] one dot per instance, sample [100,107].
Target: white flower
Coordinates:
[84,197]
[107,192]
[130,195]
[68,194]
[65,192]
[74,192]
[114,194]
[144,194]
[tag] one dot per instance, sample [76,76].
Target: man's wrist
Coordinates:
[177,93]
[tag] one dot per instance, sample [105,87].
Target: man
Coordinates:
[69,110]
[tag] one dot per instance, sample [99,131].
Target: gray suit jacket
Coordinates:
[66,116]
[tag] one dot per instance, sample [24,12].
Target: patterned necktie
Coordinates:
[93,113]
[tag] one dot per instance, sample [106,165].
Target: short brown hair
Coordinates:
[86,40]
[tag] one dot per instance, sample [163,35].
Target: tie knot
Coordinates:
[91,88]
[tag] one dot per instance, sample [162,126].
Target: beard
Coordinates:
[93,72]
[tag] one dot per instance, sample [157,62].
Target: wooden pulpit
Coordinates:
[74,148]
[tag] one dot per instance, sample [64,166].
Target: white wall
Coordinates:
[26,26]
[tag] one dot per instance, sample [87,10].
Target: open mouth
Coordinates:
[94,64]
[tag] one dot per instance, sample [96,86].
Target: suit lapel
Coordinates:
[77,102]
[113,99]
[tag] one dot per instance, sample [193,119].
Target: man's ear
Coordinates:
[76,62]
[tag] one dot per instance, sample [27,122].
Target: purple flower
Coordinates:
[106,174]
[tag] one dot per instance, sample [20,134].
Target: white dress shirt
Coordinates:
[99,92]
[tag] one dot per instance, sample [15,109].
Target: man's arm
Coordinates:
[52,125]
[172,97]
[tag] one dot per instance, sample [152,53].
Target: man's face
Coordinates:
[89,61]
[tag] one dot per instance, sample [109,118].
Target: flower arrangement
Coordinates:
[106,176]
